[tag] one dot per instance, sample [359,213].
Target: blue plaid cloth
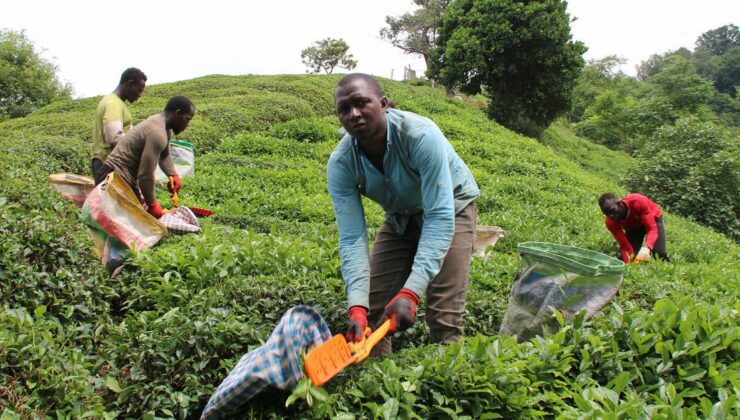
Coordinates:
[276,363]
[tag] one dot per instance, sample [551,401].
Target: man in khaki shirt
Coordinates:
[112,118]
[138,152]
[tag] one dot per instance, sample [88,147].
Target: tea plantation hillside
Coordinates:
[157,340]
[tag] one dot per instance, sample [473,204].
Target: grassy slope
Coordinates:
[595,158]
[160,338]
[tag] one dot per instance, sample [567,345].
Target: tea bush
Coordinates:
[157,340]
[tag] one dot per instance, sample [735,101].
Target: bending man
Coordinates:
[403,162]
[112,118]
[136,156]
[632,220]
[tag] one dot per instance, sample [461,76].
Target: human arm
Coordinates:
[155,144]
[625,248]
[113,117]
[112,132]
[429,153]
[353,249]
[168,167]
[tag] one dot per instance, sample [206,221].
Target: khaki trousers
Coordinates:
[391,260]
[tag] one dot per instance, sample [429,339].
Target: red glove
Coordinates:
[357,323]
[155,210]
[174,184]
[401,310]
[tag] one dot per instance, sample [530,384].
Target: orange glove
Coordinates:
[175,184]
[357,323]
[401,310]
[155,210]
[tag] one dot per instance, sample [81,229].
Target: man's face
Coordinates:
[182,120]
[361,110]
[614,209]
[134,89]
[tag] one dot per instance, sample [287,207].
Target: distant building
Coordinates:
[409,74]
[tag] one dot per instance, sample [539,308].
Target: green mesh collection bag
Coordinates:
[560,277]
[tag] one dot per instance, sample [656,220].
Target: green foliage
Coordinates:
[27,80]
[308,130]
[158,339]
[721,69]
[521,55]
[623,115]
[634,364]
[654,64]
[416,32]
[595,158]
[720,40]
[327,54]
[684,89]
[692,169]
[597,76]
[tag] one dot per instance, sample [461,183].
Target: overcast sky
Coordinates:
[93,41]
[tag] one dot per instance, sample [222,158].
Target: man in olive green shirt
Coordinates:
[138,152]
[112,118]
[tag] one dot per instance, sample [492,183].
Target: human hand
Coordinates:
[643,255]
[401,310]
[155,210]
[175,184]
[357,324]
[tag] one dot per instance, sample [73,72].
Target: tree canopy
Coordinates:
[718,41]
[327,54]
[27,80]
[520,54]
[416,32]
[717,58]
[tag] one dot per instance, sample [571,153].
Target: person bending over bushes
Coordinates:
[631,220]
[138,152]
[403,162]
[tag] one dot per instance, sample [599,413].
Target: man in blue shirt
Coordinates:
[403,162]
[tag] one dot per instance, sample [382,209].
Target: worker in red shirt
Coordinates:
[632,220]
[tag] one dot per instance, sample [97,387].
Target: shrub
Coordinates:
[691,168]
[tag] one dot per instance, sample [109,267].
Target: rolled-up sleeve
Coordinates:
[430,154]
[353,248]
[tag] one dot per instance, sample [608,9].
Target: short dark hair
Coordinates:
[182,103]
[133,74]
[366,77]
[604,197]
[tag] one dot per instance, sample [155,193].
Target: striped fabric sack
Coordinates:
[118,222]
[183,156]
[277,363]
[181,220]
[72,187]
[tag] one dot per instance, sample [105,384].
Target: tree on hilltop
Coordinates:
[27,81]
[719,41]
[520,54]
[717,58]
[327,54]
[416,32]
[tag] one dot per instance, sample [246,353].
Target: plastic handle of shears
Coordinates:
[175,199]
[364,347]
[378,334]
